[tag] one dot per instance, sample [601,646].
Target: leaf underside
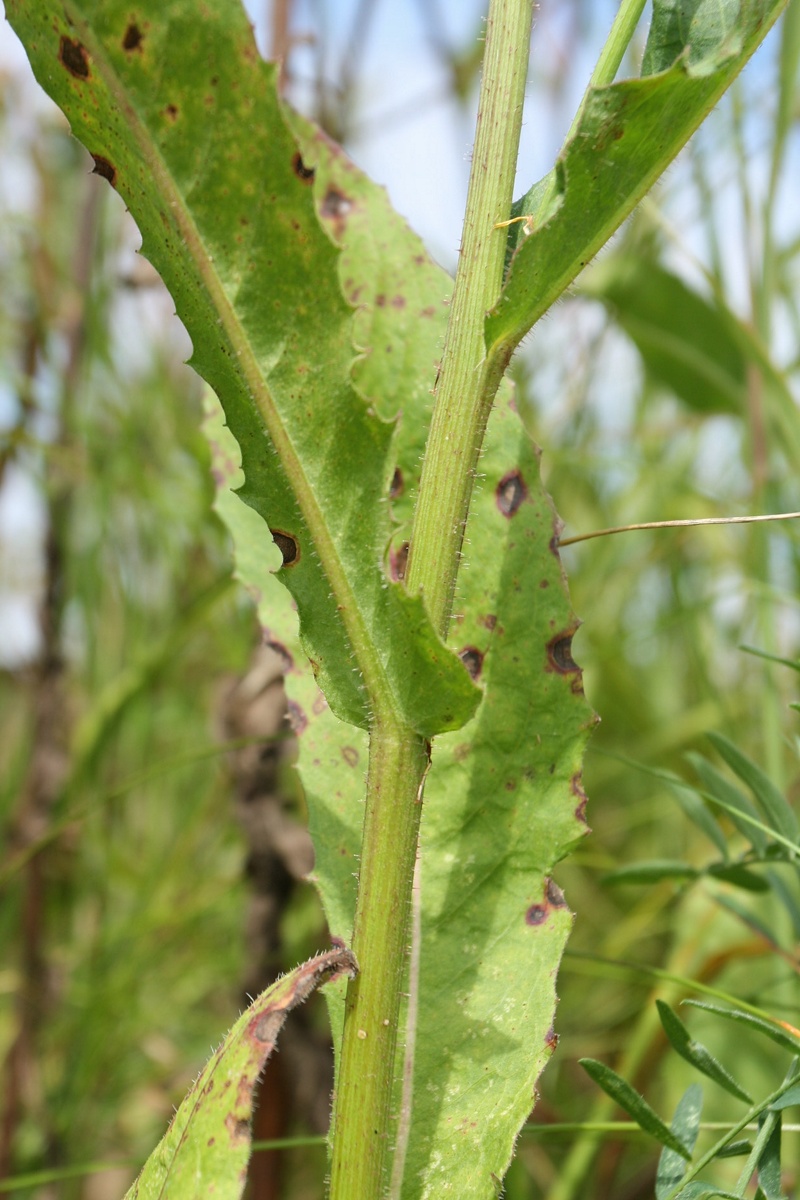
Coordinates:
[207,1146]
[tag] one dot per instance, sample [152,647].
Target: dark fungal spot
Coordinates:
[303,173]
[472,658]
[551,1039]
[559,652]
[396,487]
[296,717]
[288,546]
[103,167]
[335,204]
[278,649]
[398,561]
[74,57]
[133,38]
[172,112]
[536,914]
[350,755]
[555,896]
[267,1027]
[511,492]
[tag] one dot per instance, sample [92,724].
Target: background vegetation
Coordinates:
[125,898]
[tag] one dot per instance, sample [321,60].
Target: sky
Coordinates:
[411,136]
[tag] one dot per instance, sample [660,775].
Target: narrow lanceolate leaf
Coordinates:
[686,342]
[696,1053]
[627,135]
[207,1147]
[634,1105]
[182,118]
[782,1033]
[686,1126]
[771,800]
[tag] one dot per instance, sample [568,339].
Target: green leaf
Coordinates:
[686,1126]
[769,1164]
[696,1053]
[695,809]
[697,26]
[774,805]
[785,1036]
[685,341]
[182,117]
[488,844]
[651,872]
[738,875]
[634,1105]
[207,1146]
[788,1100]
[733,800]
[627,135]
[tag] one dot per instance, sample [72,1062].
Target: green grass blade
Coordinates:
[735,801]
[696,1053]
[182,117]
[207,1147]
[634,1105]
[628,134]
[686,1126]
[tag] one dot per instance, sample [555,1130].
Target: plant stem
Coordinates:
[612,54]
[363,1100]
[467,379]
[398,756]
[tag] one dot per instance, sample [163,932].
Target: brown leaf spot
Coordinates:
[133,38]
[296,717]
[398,561]
[551,1039]
[555,896]
[304,174]
[396,488]
[103,167]
[268,1026]
[238,1128]
[536,914]
[171,112]
[288,545]
[398,301]
[462,751]
[335,205]
[489,621]
[511,492]
[350,755]
[472,659]
[74,57]
[278,648]
[559,653]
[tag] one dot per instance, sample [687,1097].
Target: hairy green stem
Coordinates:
[363,1119]
[468,380]
[363,1100]
[612,54]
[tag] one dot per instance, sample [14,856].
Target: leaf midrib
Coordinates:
[381,702]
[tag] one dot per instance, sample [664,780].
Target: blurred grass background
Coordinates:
[124,892]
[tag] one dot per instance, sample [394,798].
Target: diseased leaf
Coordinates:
[634,1105]
[207,1146]
[497,815]
[182,117]
[686,1126]
[697,1054]
[628,134]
